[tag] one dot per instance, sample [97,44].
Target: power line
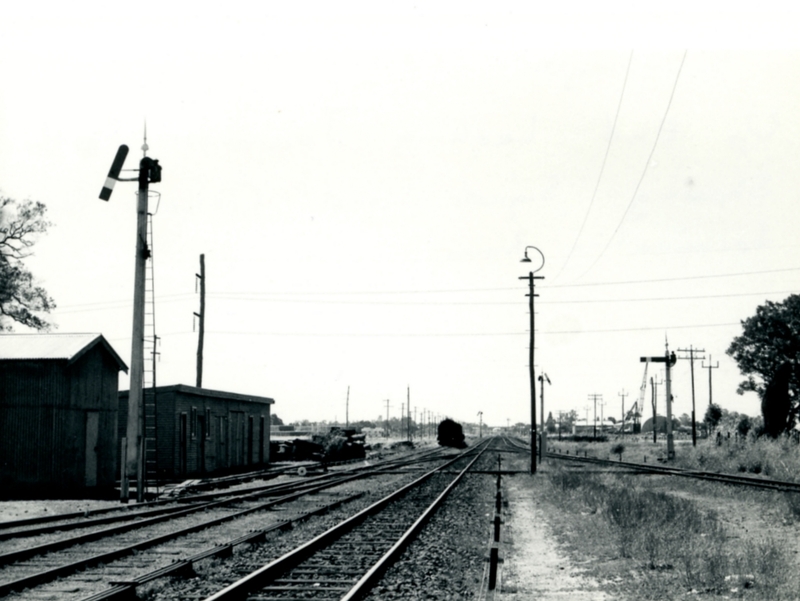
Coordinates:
[679,279]
[232,295]
[492,303]
[602,167]
[444,335]
[646,165]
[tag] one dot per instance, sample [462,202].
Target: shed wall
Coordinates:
[43,417]
[201,435]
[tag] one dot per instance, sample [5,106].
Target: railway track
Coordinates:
[734,479]
[345,561]
[188,494]
[192,525]
[190,502]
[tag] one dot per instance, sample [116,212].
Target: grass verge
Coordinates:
[655,545]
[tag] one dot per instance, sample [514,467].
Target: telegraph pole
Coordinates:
[709,367]
[691,352]
[387,417]
[623,394]
[594,398]
[531,369]
[347,409]
[480,424]
[408,412]
[602,419]
[201,317]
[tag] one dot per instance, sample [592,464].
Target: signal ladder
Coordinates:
[151,354]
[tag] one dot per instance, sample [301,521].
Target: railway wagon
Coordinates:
[58,415]
[200,432]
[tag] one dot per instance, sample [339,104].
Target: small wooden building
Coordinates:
[58,415]
[202,432]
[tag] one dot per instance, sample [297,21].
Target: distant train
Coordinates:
[451,434]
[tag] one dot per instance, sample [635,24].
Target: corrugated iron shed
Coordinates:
[58,415]
[68,347]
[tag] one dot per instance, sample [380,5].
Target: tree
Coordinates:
[776,402]
[550,424]
[274,420]
[20,298]
[567,420]
[771,339]
[713,415]
[744,425]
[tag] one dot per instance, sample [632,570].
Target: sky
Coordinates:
[363,179]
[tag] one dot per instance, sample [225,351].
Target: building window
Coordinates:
[208,424]
[193,423]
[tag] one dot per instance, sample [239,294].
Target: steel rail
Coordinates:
[75,566]
[186,502]
[91,522]
[7,524]
[70,568]
[687,473]
[121,590]
[271,571]
[367,582]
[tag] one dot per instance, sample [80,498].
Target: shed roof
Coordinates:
[55,347]
[206,392]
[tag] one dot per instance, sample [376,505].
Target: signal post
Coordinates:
[669,360]
[133,453]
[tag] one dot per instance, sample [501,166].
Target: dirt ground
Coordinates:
[20,510]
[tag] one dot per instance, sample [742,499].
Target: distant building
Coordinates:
[582,427]
[58,415]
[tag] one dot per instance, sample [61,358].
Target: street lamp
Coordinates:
[530,277]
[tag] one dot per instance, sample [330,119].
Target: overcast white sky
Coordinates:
[363,181]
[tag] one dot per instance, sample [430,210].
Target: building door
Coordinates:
[237,438]
[92,430]
[261,439]
[249,440]
[201,442]
[183,449]
[222,447]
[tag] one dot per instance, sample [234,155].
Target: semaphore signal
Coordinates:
[113,173]
[132,461]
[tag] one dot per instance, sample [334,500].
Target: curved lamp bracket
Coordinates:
[526,259]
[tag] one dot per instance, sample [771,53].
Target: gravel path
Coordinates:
[535,567]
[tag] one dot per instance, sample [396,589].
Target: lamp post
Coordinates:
[531,294]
